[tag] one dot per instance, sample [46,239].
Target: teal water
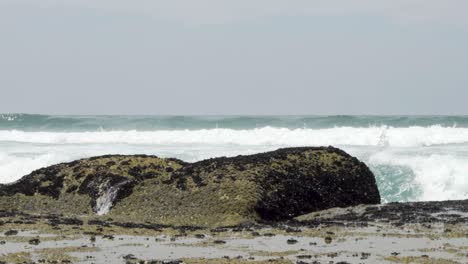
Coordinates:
[413,157]
[28,122]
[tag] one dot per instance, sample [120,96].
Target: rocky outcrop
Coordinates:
[270,186]
[395,214]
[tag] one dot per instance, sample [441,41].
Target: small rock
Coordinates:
[200,236]
[11,233]
[255,234]
[292,230]
[365,255]
[237,229]
[328,240]
[108,237]
[292,241]
[219,242]
[34,241]
[129,257]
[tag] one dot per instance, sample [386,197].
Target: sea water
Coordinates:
[414,158]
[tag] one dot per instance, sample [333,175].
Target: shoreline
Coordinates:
[419,232]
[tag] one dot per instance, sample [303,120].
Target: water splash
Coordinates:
[383,140]
[106,200]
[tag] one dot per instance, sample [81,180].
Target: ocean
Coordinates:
[414,158]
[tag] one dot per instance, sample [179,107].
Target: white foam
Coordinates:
[12,167]
[440,177]
[354,136]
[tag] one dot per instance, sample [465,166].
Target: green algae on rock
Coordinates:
[271,186]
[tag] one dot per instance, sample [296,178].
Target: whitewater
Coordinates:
[413,158]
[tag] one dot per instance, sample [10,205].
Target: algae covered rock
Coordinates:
[272,186]
[80,187]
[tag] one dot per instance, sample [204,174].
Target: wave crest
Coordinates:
[351,136]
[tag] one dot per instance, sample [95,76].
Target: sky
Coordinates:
[217,57]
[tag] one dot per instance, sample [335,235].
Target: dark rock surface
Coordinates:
[272,186]
[395,214]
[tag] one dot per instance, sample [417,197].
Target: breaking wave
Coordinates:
[353,136]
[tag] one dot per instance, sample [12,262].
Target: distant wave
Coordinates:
[27,122]
[352,136]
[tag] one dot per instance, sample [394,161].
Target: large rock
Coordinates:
[270,186]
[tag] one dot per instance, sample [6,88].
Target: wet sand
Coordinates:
[393,233]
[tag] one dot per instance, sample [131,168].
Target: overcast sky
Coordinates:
[234,57]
